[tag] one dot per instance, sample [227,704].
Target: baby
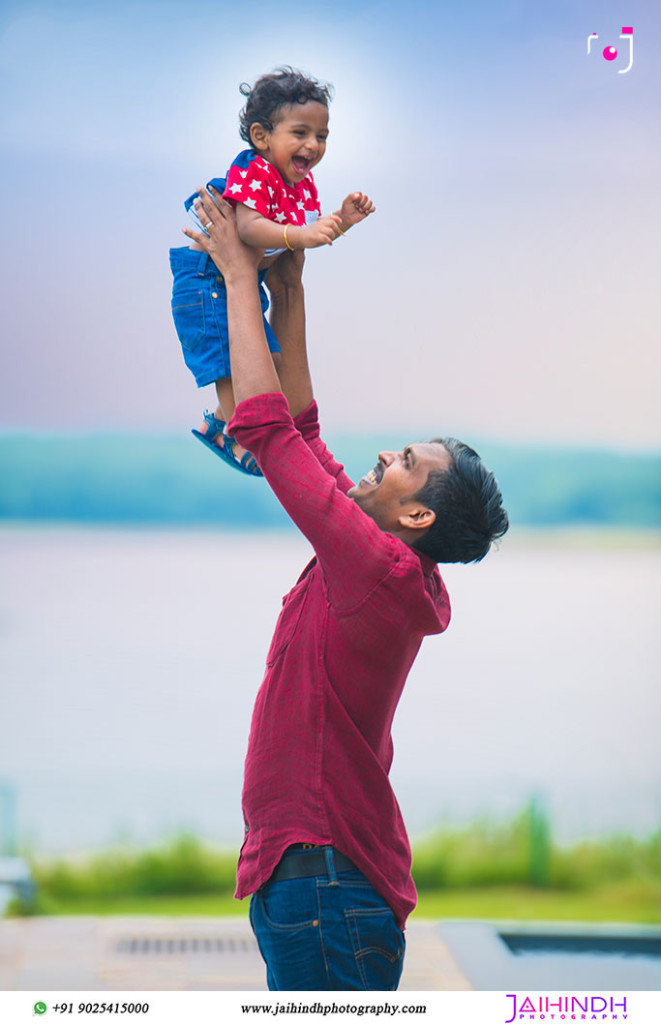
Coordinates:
[285,121]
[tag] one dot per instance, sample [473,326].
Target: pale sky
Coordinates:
[506,287]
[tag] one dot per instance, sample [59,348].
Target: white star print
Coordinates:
[243,173]
[306,193]
[301,205]
[251,203]
[270,191]
[236,187]
[255,184]
[280,217]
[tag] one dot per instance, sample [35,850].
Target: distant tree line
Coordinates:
[174,480]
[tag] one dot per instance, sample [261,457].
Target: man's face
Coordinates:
[387,492]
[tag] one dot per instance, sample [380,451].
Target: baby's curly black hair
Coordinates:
[283,87]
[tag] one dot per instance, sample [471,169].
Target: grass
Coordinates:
[630,902]
[627,902]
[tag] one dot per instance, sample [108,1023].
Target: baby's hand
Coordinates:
[323,231]
[355,208]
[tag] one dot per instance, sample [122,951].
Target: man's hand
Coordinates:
[223,244]
[355,208]
[286,271]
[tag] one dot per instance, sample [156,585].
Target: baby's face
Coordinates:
[298,140]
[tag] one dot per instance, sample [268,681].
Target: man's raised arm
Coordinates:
[252,366]
[284,281]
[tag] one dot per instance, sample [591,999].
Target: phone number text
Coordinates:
[101,1008]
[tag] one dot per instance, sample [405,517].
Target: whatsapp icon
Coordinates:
[40,1007]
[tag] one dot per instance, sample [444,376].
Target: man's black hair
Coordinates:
[468,506]
[283,87]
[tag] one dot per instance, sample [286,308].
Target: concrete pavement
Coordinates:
[66,954]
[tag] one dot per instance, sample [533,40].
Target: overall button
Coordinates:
[214,295]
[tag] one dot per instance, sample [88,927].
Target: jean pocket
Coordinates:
[378,947]
[188,316]
[288,935]
[288,906]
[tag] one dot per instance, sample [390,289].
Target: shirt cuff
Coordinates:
[259,410]
[307,422]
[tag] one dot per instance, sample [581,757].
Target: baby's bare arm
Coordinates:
[256,230]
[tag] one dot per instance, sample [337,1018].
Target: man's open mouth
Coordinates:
[374,476]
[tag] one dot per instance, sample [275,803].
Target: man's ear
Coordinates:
[417,518]
[259,136]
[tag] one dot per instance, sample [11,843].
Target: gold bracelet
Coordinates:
[340,230]
[290,247]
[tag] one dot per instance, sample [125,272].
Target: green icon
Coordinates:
[40,1007]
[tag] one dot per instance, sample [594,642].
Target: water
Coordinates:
[633,945]
[600,960]
[130,662]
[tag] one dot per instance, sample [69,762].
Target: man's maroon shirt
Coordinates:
[320,747]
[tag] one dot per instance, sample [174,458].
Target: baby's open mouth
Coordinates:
[300,164]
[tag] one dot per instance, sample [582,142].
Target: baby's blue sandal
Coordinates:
[247,464]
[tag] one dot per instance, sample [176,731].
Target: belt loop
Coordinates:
[202,265]
[330,865]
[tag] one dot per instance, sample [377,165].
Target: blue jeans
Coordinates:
[199,311]
[327,932]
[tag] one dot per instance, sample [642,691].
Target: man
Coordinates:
[326,855]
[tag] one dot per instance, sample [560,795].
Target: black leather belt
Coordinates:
[306,863]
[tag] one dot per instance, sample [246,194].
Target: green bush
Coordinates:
[483,854]
[616,859]
[184,866]
[521,852]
